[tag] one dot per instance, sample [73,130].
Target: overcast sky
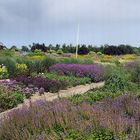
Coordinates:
[23,22]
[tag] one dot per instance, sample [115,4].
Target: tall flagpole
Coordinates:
[77,40]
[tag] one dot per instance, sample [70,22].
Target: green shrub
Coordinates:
[59,51]
[101,134]
[93,96]
[117,80]
[9,99]
[36,53]
[47,62]
[117,62]
[73,134]
[75,61]
[92,53]
[7,52]
[99,53]
[51,51]
[39,65]
[10,64]
[22,69]
[18,97]
[71,80]
[35,65]
[136,74]
[3,72]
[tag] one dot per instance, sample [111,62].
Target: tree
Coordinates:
[25,49]
[83,50]
[118,50]
[50,46]
[64,48]
[57,47]
[2,47]
[14,48]
[38,46]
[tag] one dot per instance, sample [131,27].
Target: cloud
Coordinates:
[51,20]
[93,10]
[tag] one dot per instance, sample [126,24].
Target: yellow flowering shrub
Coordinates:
[21,68]
[37,57]
[107,58]
[129,57]
[3,72]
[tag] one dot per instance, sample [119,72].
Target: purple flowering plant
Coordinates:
[95,71]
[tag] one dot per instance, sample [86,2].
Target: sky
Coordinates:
[23,22]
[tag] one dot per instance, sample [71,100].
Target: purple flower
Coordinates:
[95,72]
[41,82]
[39,137]
[41,91]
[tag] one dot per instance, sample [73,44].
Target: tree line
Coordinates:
[82,49]
[85,49]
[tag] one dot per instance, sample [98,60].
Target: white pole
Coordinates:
[77,42]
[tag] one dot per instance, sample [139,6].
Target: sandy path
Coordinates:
[81,89]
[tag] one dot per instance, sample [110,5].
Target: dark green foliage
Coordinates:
[101,134]
[25,49]
[83,50]
[117,80]
[118,50]
[10,64]
[47,62]
[71,80]
[38,46]
[105,49]
[35,66]
[93,96]
[136,74]
[72,134]
[74,61]
[60,51]
[9,99]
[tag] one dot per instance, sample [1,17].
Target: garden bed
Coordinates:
[81,89]
[62,119]
[94,72]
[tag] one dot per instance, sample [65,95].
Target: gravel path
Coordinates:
[81,89]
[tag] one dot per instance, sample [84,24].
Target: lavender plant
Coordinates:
[41,82]
[63,120]
[95,72]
